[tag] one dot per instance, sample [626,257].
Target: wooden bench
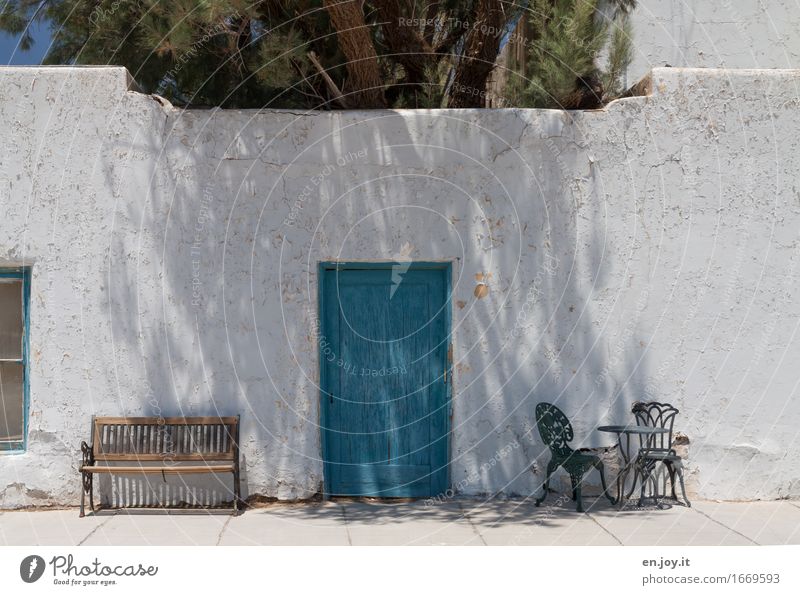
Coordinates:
[164,445]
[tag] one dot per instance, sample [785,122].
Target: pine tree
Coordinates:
[324,54]
[281,53]
[565,40]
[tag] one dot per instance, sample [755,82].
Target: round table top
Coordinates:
[632,430]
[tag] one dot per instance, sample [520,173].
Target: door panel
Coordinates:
[385,406]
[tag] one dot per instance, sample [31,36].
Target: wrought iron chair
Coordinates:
[658,447]
[556,433]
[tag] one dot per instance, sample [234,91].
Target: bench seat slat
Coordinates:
[176,469]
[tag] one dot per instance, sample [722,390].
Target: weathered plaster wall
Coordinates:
[648,250]
[717,34]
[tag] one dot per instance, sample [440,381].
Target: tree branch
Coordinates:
[332,88]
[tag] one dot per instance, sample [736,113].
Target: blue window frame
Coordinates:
[14,372]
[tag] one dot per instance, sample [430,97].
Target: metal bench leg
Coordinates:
[87,485]
[91,492]
[236,492]
[83,496]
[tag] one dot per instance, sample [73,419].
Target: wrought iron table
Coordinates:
[645,434]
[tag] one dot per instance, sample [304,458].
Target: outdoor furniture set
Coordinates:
[653,429]
[191,445]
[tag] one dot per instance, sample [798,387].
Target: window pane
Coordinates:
[10,401]
[11,319]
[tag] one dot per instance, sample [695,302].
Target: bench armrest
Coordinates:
[88,455]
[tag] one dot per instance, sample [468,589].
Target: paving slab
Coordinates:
[523,523]
[45,527]
[674,525]
[413,523]
[157,528]
[766,523]
[302,524]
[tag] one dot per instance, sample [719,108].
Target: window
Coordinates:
[14,296]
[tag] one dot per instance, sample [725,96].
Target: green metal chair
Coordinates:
[658,448]
[556,433]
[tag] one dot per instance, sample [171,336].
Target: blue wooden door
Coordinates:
[384,379]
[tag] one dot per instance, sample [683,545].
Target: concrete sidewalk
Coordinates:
[459,522]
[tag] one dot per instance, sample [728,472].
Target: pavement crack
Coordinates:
[222,531]
[599,524]
[721,524]
[471,524]
[98,526]
[346,528]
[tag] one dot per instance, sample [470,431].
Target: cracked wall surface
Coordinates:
[645,251]
[720,34]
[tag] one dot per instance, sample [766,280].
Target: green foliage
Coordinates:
[251,53]
[280,58]
[257,53]
[620,55]
[431,95]
[567,38]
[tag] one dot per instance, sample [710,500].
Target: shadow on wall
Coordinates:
[558,344]
[212,281]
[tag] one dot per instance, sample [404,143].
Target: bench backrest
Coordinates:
[165,438]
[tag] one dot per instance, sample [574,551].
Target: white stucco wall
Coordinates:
[715,34]
[648,250]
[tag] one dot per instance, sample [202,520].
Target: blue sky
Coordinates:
[11,54]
